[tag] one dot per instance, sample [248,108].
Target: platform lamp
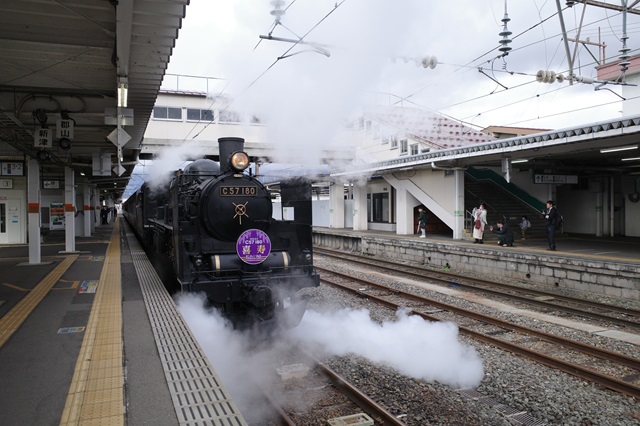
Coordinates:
[65,143]
[123,91]
[41,116]
[43,155]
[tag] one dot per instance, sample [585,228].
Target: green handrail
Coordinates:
[515,190]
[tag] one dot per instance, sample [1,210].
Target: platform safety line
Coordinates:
[16,316]
[96,393]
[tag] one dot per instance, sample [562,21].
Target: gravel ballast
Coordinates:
[514,390]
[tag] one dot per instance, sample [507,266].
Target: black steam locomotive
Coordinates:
[213,224]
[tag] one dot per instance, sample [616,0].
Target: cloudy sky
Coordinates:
[362,52]
[366,41]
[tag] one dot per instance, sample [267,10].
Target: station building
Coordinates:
[395,160]
[402,158]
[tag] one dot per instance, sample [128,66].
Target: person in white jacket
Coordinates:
[479,222]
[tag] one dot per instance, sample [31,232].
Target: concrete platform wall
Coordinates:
[554,270]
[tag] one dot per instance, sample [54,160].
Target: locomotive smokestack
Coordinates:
[227,146]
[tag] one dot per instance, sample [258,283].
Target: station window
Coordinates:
[404,146]
[199,114]
[394,142]
[414,149]
[167,113]
[385,136]
[226,116]
[380,207]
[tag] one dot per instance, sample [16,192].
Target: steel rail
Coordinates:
[574,344]
[573,369]
[363,401]
[451,277]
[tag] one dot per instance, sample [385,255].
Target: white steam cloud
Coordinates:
[171,159]
[413,346]
[304,96]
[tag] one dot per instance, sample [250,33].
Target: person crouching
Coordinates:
[505,236]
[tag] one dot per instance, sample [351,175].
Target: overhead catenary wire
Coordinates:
[510,72]
[338,4]
[492,50]
[277,22]
[470,68]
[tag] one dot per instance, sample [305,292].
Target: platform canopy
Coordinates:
[63,65]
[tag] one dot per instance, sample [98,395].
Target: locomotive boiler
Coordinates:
[214,225]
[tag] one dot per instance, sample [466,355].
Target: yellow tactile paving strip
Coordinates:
[199,398]
[96,395]
[16,316]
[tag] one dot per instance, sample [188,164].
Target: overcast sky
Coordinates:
[220,39]
[306,95]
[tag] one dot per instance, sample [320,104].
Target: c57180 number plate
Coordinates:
[233,191]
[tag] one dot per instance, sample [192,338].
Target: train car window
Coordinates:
[288,213]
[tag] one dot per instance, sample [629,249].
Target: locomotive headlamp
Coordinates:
[239,161]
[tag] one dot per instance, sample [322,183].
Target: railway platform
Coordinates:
[93,338]
[607,266]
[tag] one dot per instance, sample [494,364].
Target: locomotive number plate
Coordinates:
[232,191]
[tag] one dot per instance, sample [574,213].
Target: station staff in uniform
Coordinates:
[551,218]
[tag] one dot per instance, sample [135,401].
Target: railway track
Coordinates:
[612,370]
[615,315]
[310,395]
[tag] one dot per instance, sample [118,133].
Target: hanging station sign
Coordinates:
[12,168]
[42,138]
[570,179]
[64,129]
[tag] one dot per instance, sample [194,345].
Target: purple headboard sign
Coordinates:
[253,246]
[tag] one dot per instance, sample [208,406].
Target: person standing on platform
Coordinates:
[422,222]
[479,222]
[104,214]
[524,225]
[551,218]
[505,236]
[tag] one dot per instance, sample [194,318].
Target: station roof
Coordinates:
[67,59]
[575,150]
[432,129]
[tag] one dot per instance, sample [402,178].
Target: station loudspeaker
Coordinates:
[64,143]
